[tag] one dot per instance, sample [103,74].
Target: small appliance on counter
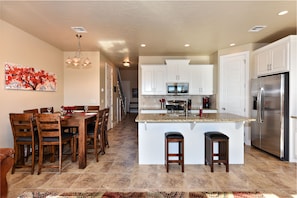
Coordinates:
[206,102]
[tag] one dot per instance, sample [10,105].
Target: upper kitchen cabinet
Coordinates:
[153,79]
[274,58]
[201,79]
[177,70]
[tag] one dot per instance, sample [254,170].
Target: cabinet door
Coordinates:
[153,80]
[177,73]
[201,80]
[273,58]
[279,58]
[177,70]
[263,62]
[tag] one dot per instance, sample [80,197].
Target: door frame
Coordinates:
[109,93]
[247,100]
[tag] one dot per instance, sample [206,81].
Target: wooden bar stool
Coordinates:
[174,137]
[222,156]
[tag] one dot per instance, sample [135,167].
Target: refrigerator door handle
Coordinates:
[260,106]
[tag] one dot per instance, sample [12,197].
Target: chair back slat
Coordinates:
[49,125]
[34,111]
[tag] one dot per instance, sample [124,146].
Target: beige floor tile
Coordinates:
[118,170]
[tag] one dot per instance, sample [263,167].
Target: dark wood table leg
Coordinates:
[82,148]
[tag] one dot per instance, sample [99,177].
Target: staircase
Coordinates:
[121,93]
[133,108]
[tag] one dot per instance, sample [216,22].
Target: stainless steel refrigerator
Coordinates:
[270,108]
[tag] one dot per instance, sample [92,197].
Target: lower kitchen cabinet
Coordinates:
[201,80]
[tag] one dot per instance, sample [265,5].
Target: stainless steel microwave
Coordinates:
[177,88]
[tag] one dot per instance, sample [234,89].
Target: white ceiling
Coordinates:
[117,28]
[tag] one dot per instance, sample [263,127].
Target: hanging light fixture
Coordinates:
[78,60]
[126,64]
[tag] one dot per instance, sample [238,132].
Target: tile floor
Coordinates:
[118,170]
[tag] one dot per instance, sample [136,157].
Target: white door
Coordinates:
[233,82]
[109,93]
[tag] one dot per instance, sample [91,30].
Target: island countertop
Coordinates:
[206,117]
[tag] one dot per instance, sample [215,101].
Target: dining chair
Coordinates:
[105,123]
[23,135]
[34,111]
[95,133]
[50,134]
[45,110]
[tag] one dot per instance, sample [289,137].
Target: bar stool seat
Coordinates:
[222,156]
[174,137]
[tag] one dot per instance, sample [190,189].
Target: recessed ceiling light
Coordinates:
[257,28]
[232,44]
[142,45]
[283,12]
[79,29]
[187,45]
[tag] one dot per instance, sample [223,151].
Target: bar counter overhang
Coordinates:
[152,127]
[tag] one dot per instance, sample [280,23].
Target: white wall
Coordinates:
[19,47]
[82,86]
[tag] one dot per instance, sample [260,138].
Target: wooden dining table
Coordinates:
[80,120]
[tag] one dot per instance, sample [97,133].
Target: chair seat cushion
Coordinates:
[173,135]
[216,134]
[24,139]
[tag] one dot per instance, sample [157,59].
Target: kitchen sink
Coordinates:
[182,115]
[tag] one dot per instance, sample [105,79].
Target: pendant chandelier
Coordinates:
[78,60]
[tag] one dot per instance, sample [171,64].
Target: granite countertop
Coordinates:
[206,117]
[152,108]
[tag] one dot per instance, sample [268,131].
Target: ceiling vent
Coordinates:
[79,29]
[257,28]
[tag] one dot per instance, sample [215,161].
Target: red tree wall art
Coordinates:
[28,78]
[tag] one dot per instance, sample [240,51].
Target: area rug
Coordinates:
[142,195]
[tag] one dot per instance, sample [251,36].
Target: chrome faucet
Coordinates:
[186,109]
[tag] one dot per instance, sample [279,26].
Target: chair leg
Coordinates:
[96,148]
[106,138]
[33,159]
[60,158]
[102,142]
[40,160]
[183,157]
[166,156]
[15,159]
[73,148]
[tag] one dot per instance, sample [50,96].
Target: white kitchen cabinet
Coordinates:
[273,58]
[153,80]
[177,70]
[201,79]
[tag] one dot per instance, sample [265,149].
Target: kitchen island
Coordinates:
[152,127]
